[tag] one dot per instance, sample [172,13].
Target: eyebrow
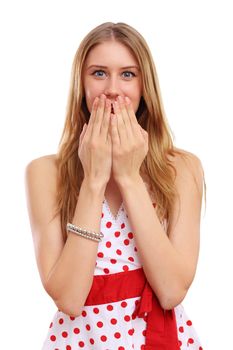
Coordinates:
[105,67]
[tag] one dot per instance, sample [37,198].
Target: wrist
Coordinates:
[129,181]
[94,186]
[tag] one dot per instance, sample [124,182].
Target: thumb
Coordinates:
[82,133]
[144,133]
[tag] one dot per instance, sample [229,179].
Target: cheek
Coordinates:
[91,94]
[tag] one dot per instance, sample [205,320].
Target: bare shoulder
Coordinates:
[44,163]
[41,187]
[188,167]
[42,169]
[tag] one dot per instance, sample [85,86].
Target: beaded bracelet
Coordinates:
[85,233]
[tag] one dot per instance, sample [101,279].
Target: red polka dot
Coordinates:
[88,327]
[51,325]
[72,318]
[118,251]
[181,329]
[135,249]
[92,341]
[81,344]
[143,347]
[117,233]
[64,334]
[189,323]
[100,255]
[108,224]
[106,270]
[125,268]
[117,335]
[123,304]
[121,348]
[127,318]
[126,242]
[131,258]
[68,347]
[131,331]
[113,321]
[96,310]
[200,348]
[103,338]
[52,338]
[100,324]
[102,215]
[61,320]
[123,225]
[109,307]
[108,244]
[84,314]
[76,330]
[113,261]
[130,235]
[190,341]
[180,342]
[144,332]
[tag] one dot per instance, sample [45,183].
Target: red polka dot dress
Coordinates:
[112,326]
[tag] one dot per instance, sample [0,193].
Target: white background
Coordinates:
[191,42]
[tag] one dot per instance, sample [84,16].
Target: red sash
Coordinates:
[161,331]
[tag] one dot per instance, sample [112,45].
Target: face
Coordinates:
[111,69]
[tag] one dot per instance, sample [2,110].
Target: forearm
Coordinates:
[164,267]
[71,278]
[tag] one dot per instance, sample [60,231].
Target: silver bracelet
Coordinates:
[84,233]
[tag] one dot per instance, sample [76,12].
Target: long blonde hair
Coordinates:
[156,166]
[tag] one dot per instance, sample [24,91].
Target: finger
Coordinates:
[120,123]
[99,117]
[114,130]
[82,133]
[144,133]
[106,120]
[132,116]
[125,117]
[92,116]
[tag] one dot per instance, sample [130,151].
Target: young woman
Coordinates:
[115,214]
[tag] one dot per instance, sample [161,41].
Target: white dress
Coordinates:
[111,326]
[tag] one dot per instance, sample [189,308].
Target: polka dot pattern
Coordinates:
[186,333]
[113,325]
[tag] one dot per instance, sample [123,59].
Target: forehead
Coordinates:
[111,53]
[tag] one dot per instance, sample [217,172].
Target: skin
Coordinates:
[113,80]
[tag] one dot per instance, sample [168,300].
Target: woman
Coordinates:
[117,175]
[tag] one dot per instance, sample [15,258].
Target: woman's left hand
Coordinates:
[129,141]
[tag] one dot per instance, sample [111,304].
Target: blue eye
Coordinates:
[98,71]
[129,74]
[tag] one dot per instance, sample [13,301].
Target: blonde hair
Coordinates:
[156,166]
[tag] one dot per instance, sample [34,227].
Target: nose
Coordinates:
[112,89]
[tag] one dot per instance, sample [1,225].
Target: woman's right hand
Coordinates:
[95,146]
